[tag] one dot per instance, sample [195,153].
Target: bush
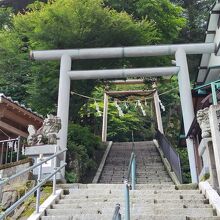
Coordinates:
[82,145]
[83,136]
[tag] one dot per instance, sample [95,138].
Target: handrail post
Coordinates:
[6,155]
[127,201]
[214,95]
[132,137]
[2,148]
[38,181]
[180,174]
[54,168]
[117,214]
[133,172]
[18,147]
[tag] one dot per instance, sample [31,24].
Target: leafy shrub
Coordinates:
[71,177]
[83,136]
[80,155]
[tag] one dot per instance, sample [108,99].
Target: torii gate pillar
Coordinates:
[63,103]
[187,106]
[105,118]
[157,109]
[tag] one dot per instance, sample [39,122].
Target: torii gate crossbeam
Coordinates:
[179,50]
[120,52]
[127,82]
[123,73]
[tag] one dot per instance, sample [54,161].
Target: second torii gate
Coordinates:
[130,92]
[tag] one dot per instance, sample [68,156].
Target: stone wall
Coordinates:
[9,191]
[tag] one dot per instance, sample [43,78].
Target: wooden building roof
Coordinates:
[15,118]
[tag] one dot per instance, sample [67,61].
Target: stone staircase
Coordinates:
[150,168]
[157,198]
[148,202]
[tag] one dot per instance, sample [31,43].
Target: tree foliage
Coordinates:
[59,25]
[167,17]
[196,12]
[81,158]
[64,24]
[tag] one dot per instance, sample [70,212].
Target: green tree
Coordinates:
[167,17]
[5,18]
[196,13]
[67,24]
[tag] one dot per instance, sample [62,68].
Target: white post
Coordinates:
[105,118]
[63,103]
[187,107]
[158,112]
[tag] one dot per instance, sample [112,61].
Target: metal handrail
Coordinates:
[132,139]
[127,200]
[9,140]
[40,182]
[117,214]
[11,146]
[6,180]
[132,173]
[22,199]
[129,166]
[171,155]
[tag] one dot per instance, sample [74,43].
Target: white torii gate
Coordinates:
[179,50]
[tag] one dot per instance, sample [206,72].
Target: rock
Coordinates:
[14,197]
[8,198]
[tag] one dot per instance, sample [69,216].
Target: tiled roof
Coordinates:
[20,105]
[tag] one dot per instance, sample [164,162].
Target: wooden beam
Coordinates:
[130,92]
[12,129]
[127,82]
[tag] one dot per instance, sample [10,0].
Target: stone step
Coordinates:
[135,217]
[138,172]
[137,205]
[193,212]
[150,174]
[148,164]
[139,181]
[140,196]
[142,177]
[169,202]
[139,161]
[116,192]
[118,166]
[142,170]
[204,218]
[101,186]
